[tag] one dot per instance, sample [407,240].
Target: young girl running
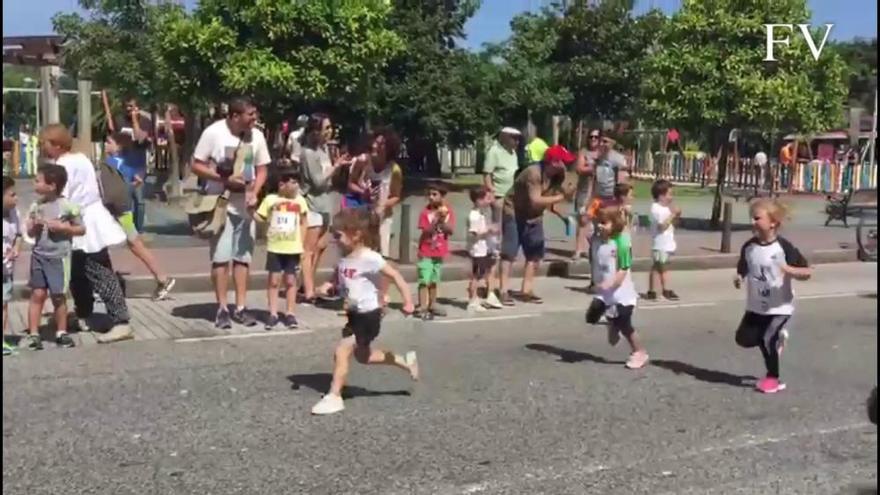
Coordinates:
[616,295]
[768,263]
[360,272]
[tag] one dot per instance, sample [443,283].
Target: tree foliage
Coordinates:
[861,60]
[600,51]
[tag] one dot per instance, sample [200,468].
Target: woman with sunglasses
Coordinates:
[584,168]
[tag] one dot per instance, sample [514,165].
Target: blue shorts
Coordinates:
[516,234]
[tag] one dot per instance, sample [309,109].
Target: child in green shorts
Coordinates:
[436,222]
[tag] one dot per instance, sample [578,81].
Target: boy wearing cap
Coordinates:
[535,190]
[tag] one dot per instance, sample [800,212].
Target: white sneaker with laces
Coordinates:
[475,307]
[492,302]
[329,404]
[412,361]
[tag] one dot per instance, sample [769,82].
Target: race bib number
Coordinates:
[285,223]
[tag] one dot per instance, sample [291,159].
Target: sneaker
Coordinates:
[613,335]
[64,340]
[8,349]
[492,301]
[670,295]
[329,404]
[412,361]
[243,317]
[164,288]
[637,360]
[475,306]
[81,325]
[272,322]
[507,300]
[290,321]
[650,296]
[309,301]
[222,321]
[532,298]
[116,334]
[769,385]
[438,312]
[35,343]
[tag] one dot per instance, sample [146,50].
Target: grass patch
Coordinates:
[642,189]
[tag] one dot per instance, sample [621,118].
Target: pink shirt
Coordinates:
[434,243]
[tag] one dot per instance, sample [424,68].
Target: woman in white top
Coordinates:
[91,270]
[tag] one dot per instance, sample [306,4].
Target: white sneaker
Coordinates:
[412,361]
[116,334]
[82,325]
[475,307]
[329,404]
[492,302]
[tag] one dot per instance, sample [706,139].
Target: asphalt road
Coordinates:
[534,404]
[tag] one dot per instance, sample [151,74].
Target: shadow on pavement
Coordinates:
[199,311]
[320,382]
[705,375]
[567,356]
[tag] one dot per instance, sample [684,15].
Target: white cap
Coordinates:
[511,130]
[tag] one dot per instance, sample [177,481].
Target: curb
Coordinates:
[141,286]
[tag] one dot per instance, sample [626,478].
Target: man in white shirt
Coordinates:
[232,155]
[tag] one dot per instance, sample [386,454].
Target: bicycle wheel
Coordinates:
[866,236]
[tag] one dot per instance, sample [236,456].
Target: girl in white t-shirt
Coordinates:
[663,216]
[360,272]
[768,263]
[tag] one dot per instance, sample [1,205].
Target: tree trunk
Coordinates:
[715,219]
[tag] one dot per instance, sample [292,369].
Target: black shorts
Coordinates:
[754,328]
[364,326]
[287,263]
[481,266]
[623,321]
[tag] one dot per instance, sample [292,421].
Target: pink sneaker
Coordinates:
[769,385]
[637,360]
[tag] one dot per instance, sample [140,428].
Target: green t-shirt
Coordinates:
[501,165]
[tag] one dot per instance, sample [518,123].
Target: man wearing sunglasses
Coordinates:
[584,165]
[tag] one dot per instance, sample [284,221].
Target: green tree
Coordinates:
[434,92]
[861,60]
[708,75]
[600,49]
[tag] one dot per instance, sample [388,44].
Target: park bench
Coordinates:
[850,203]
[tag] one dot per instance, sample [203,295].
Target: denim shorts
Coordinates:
[235,243]
[516,234]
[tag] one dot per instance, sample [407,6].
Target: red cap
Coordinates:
[558,153]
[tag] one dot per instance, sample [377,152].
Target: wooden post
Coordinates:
[405,255]
[726,226]
[84,117]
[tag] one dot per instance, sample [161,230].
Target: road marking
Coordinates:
[487,318]
[674,306]
[279,333]
[832,295]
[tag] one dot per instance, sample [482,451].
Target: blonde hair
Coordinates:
[776,210]
[58,135]
[614,215]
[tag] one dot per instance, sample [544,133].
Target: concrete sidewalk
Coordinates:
[190,316]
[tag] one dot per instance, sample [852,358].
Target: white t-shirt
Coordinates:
[220,147]
[478,225]
[11,233]
[662,240]
[82,181]
[359,276]
[613,255]
[769,290]
[294,148]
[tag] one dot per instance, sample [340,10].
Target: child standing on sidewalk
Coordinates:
[663,216]
[360,272]
[768,263]
[52,223]
[436,223]
[482,250]
[616,295]
[287,212]
[11,249]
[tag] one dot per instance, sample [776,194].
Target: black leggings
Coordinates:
[763,331]
[93,272]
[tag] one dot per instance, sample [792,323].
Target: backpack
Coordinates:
[114,189]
